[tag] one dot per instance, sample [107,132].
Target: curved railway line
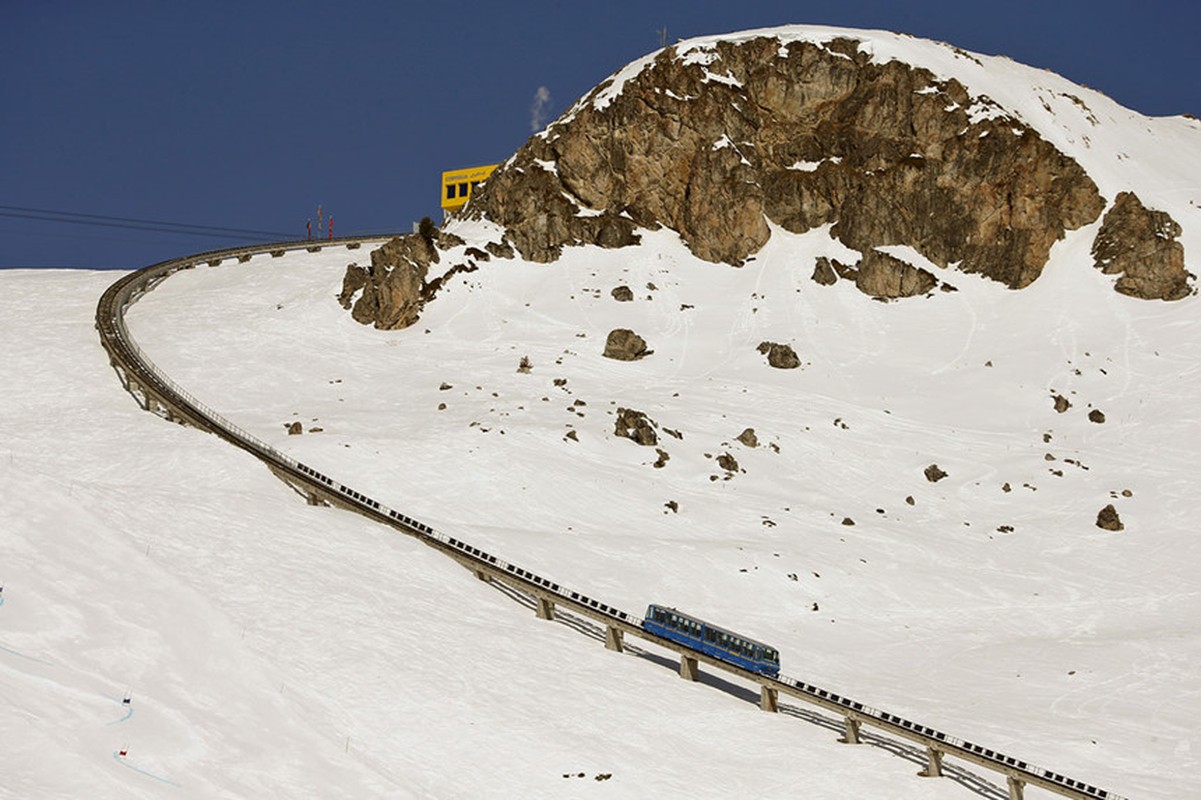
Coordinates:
[156,392]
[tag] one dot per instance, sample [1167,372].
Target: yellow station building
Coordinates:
[458,184]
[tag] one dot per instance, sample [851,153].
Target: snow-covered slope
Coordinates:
[273,649]
[1058,642]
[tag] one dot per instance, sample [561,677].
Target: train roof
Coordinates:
[726,631]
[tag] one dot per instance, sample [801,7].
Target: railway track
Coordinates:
[156,392]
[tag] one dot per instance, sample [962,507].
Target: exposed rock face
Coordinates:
[622,294]
[635,425]
[623,344]
[1108,519]
[823,272]
[715,144]
[1140,244]
[392,286]
[393,290]
[727,462]
[934,473]
[748,438]
[780,356]
[881,275]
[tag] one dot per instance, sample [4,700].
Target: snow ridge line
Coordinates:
[157,393]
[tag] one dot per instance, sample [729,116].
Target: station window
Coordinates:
[463,190]
[450,192]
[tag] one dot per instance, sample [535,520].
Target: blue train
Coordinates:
[712,640]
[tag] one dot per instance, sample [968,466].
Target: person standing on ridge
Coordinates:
[331,226]
[308,226]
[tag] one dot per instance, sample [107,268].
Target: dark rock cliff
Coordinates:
[802,135]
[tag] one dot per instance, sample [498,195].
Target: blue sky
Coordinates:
[248,115]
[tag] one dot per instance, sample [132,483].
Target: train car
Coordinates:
[712,640]
[458,184]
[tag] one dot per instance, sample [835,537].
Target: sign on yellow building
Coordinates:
[458,184]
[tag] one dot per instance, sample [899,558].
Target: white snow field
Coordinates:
[273,649]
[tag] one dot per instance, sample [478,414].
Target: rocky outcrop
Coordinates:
[780,356]
[388,294]
[823,272]
[748,438]
[716,142]
[1139,244]
[934,473]
[1108,519]
[392,291]
[622,344]
[632,424]
[882,275]
[727,462]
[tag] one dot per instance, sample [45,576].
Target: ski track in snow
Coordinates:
[124,761]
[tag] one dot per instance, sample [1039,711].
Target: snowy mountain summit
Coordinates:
[922,159]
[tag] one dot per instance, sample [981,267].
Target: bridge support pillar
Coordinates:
[688,668]
[545,608]
[479,573]
[933,764]
[313,499]
[850,731]
[1017,789]
[134,388]
[613,638]
[769,699]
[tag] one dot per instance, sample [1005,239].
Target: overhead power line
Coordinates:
[160,226]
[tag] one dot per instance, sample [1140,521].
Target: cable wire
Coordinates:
[101,220]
